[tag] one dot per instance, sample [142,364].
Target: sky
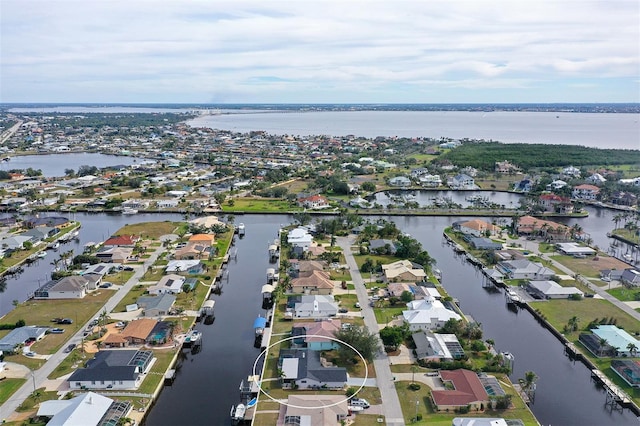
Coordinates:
[306,51]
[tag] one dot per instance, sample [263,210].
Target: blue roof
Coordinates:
[260,322]
[615,337]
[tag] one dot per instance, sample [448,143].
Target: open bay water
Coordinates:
[620,131]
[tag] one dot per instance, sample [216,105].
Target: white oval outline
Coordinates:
[264,352]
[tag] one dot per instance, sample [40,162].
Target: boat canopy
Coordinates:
[267,288]
[260,322]
[208,304]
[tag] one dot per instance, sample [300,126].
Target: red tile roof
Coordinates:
[468,389]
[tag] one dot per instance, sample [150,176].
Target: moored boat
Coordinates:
[259,325]
[128,210]
[237,413]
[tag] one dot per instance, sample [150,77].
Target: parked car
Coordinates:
[64,321]
[57,330]
[120,324]
[105,284]
[359,402]
[343,310]
[70,348]
[128,268]
[357,305]
[30,354]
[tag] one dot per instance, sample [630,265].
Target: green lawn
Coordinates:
[254,205]
[384,315]
[131,297]
[8,387]
[558,313]
[149,230]
[625,294]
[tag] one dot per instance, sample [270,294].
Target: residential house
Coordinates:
[185,267]
[403,270]
[382,246]
[596,179]
[321,410]
[427,314]
[135,204]
[86,409]
[300,240]
[115,254]
[617,338]
[462,181]
[524,269]
[572,172]
[430,181]
[194,251]
[50,221]
[529,225]
[630,277]
[171,203]
[101,269]
[316,306]
[467,391]
[171,284]
[40,234]
[135,332]
[585,192]
[556,204]
[19,336]
[304,268]
[203,239]
[14,243]
[316,335]
[317,282]
[71,287]
[573,249]
[505,167]
[121,241]
[546,289]
[622,198]
[156,306]
[314,202]
[556,185]
[476,227]
[524,185]
[437,347]
[304,369]
[112,369]
[400,181]
[484,244]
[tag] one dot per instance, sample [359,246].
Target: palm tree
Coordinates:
[617,219]
[573,323]
[603,345]
[528,383]
[632,349]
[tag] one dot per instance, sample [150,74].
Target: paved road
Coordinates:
[39,376]
[391,403]
[10,132]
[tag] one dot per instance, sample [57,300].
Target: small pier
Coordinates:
[616,398]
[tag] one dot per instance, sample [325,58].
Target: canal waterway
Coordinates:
[207,383]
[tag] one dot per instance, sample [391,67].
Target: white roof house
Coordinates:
[171,283]
[427,314]
[316,306]
[574,248]
[552,290]
[300,237]
[616,338]
[84,410]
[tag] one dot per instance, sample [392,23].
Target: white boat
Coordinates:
[54,246]
[237,413]
[193,337]
[129,210]
[41,254]
[241,229]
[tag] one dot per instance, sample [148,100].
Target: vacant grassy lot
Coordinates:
[149,230]
[589,267]
[264,205]
[558,313]
[40,312]
[625,294]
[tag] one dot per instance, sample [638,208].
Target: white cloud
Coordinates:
[198,51]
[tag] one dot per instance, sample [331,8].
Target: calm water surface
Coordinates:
[207,383]
[594,130]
